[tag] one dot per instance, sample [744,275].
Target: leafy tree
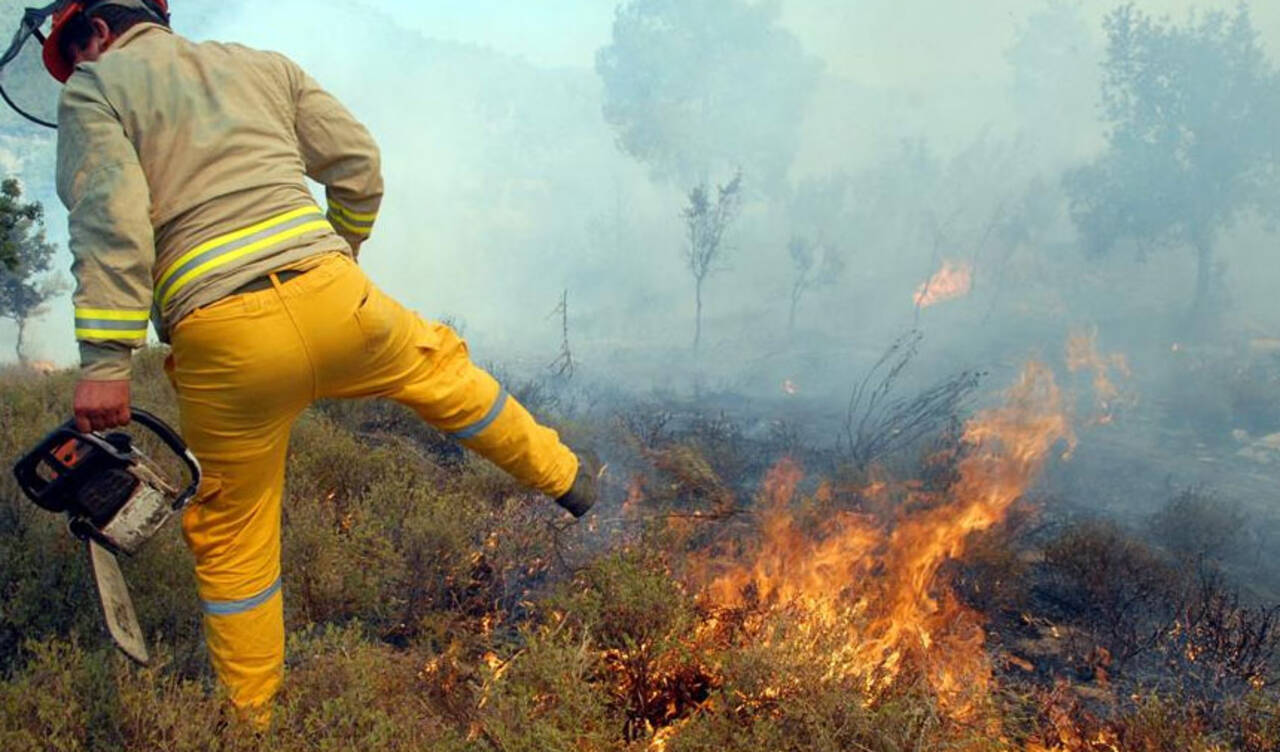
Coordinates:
[696,88]
[1192,144]
[24,255]
[705,225]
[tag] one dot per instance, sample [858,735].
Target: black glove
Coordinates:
[585,491]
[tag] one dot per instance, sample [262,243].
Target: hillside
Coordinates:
[720,598]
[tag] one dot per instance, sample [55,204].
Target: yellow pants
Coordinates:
[245,367]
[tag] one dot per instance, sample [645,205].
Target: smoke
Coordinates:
[941,129]
[914,194]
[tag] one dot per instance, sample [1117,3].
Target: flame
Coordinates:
[635,495]
[953,280]
[866,597]
[663,735]
[1083,355]
[1072,729]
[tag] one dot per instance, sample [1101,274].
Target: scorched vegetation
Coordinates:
[738,589]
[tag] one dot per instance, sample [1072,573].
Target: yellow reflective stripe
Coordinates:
[109,315]
[232,237]
[336,218]
[230,256]
[111,334]
[352,215]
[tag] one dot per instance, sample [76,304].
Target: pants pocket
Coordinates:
[372,316]
[428,335]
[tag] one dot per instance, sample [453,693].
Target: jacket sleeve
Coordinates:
[339,153]
[111,238]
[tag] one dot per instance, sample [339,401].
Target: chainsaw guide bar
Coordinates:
[117,606]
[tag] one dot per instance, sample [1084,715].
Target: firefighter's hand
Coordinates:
[100,405]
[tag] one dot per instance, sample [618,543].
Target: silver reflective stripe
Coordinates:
[109,324]
[226,608]
[360,220]
[473,430]
[219,251]
[341,218]
[351,214]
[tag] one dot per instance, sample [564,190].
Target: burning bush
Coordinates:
[643,624]
[1218,647]
[737,602]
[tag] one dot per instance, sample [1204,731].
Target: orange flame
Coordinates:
[876,589]
[635,495]
[953,280]
[1083,355]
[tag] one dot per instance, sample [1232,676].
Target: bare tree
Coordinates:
[816,265]
[816,208]
[563,364]
[705,224]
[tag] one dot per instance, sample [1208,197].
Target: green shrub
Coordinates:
[640,621]
[44,707]
[828,719]
[343,692]
[547,696]
[432,603]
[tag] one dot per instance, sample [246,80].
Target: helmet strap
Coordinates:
[32,19]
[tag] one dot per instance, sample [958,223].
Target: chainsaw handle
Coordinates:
[175,443]
[27,469]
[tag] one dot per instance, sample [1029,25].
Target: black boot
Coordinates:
[582,496]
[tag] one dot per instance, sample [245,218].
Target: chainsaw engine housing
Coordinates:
[132,506]
[108,488]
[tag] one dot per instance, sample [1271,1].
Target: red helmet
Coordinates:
[60,67]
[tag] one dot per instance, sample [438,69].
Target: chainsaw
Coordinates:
[115,498]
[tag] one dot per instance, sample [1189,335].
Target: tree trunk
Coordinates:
[17,346]
[697,314]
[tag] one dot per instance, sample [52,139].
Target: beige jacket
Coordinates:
[183,168]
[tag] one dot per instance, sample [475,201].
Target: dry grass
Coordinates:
[431,604]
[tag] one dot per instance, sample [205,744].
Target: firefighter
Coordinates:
[183,169]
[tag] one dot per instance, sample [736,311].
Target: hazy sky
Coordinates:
[945,58]
[888,42]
